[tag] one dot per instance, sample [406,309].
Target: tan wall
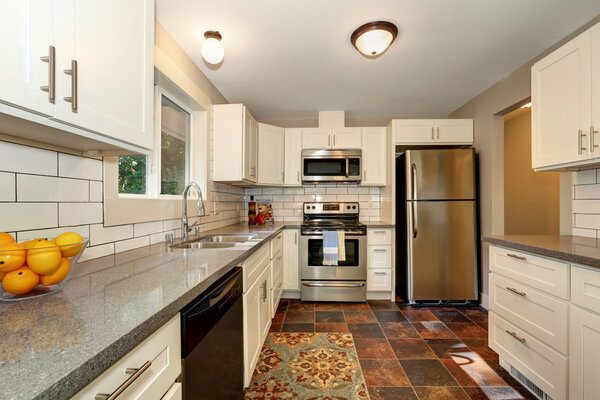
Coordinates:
[531,199]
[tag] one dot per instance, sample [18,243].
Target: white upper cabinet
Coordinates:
[293,157]
[235,144]
[101,75]
[561,105]
[271,150]
[326,138]
[374,156]
[346,138]
[433,132]
[26,34]
[316,138]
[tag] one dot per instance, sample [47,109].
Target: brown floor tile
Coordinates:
[329,316]
[441,393]
[479,315]
[472,372]
[483,326]
[383,372]
[427,373]
[466,330]
[359,317]
[441,308]
[382,305]
[366,330]
[276,327]
[433,330]
[392,393]
[503,374]
[373,348]
[297,305]
[295,327]
[411,349]
[331,327]
[328,307]
[450,316]
[399,330]
[444,348]
[480,347]
[492,393]
[279,317]
[283,305]
[419,315]
[300,317]
[390,316]
[356,307]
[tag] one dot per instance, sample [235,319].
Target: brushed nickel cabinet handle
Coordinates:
[514,334]
[73,98]
[135,374]
[516,256]
[437,129]
[334,140]
[432,134]
[298,178]
[515,291]
[380,250]
[365,174]
[580,147]
[379,273]
[51,60]
[592,132]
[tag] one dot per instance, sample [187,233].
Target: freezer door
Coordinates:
[442,250]
[444,174]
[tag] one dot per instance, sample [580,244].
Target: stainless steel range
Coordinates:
[348,280]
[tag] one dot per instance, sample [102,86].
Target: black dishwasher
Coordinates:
[212,343]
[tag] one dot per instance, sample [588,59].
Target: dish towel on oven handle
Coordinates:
[330,248]
[341,245]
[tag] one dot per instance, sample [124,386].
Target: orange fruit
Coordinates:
[30,243]
[20,281]
[44,258]
[12,256]
[6,238]
[2,275]
[58,275]
[68,238]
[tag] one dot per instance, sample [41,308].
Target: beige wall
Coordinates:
[531,199]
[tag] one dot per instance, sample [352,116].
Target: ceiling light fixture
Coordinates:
[374,38]
[212,49]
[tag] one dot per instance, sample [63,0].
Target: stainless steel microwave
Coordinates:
[331,165]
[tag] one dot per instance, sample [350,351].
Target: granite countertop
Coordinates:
[380,225]
[52,347]
[574,249]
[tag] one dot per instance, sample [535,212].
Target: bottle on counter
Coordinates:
[251,211]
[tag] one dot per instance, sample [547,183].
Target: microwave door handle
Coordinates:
[347,166]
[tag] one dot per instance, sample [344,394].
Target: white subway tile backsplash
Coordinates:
[337,190]
[27,160]
[591,233]
[293,191]
[584,177]
[358,190]
[272,191]
[28,216]
[83,230]
[96,191]
[589,221]
[347,197]
[125,245]
[147,228]
[98,251]
[7,183]
[79,213]
[100,234]
[325,197]
[591,191]
[585,206]
[171,224]
[48,188]
[71,166]
[304,197]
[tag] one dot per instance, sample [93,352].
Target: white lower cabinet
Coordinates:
[291,264]
[584,372]
[379,280]
[380,258]
[175,393]
[160,357]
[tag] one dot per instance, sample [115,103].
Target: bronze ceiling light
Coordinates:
[373,38]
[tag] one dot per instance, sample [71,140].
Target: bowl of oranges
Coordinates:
[37,267]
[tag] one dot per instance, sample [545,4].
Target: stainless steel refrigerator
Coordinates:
[437,212]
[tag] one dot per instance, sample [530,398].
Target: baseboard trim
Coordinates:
[485,301]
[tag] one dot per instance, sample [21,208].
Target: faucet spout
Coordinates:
[185,227]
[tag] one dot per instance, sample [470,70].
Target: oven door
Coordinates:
[331,168]
[353,268]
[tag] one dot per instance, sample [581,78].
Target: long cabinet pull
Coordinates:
[73,98]
[592,144]
[309,284]
[295,237]
[515,291]
[580,147]
[432,134]
[380,250]
[437,129]
[298,176]
[365,175]
[51,60]
[137,372]
[516,256]
[514,334]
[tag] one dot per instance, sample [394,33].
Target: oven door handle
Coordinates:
[347,167]
[357,284]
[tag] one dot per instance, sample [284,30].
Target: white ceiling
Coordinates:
[288,60]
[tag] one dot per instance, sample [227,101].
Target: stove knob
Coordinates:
[348,207]
[313,207]
[354,207]
[308,207]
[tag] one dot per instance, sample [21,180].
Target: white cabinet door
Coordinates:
[595,45]
[265,285]
[271,150]
[561,106]
[316,138]
[252,149]
[379,280]
[113,44]
[346,138]
[379,257]
[291,272]
[374,156]
[454,131]
[293,157]
[26,32]
[585,355]
[252,329]
[407,131]
[174,393]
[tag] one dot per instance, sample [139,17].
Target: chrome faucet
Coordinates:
[185,228]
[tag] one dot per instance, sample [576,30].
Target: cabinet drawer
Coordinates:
[546,275]
[538,362]
[276,244]
[276,292]
[277,268]
[253,266]
[162,349]
[542,315]
[379,236]
[584,361]
[175,393]
[379,280]
[585,288]
[379,257]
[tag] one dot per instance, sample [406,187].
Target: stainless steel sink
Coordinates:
[204,245]
[227,238]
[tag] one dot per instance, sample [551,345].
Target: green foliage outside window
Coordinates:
[132,174]
[172,173]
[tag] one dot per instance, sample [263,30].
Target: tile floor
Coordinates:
[409,353]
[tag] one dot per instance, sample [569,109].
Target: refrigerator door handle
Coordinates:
[413,218]
[414,181]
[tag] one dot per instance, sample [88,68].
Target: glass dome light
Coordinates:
[212,49]
[374,38]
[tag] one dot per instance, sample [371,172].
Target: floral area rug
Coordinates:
[308,366]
